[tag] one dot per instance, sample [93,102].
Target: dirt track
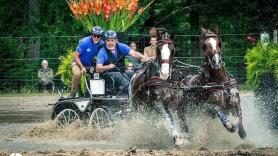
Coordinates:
[40,139]
[184,152]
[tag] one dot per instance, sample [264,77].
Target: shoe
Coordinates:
[72,95]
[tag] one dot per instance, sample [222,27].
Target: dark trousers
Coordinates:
[45,86]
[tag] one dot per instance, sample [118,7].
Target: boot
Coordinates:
[72,95]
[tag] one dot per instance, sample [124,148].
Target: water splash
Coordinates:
[143,131]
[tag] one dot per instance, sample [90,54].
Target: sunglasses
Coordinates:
[97,36]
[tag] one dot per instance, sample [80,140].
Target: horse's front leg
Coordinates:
[182,111]
[218,101]
[235,103]
[241,130]
[165,113]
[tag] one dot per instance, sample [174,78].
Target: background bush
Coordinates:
[261,59]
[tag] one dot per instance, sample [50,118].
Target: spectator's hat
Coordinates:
[110,34]
[97,30]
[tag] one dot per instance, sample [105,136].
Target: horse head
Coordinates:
[211,44]
[165,53]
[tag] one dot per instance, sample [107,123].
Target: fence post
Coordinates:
[275,36]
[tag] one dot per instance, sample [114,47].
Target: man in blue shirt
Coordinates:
[111,57]
[83,56]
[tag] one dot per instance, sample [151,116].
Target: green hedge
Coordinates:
[262,58]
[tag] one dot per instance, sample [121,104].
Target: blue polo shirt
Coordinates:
[102,57]
[88,50]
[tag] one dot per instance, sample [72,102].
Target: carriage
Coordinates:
[158,83]
[103,103]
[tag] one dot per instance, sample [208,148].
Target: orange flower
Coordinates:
[97,7]
[141,10]
[110,14]
[91,7]
[121,4]
[107,10]
[74,9]
[132,7]
[113,5]
[84,8]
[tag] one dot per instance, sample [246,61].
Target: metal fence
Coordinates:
[20,57]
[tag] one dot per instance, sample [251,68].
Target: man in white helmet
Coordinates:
[111,57]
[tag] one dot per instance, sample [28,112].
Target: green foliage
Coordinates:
[261,59]
[65,71]
[274,60]
[82,84]
[14,65]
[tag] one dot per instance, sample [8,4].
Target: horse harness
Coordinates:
[153,80]
[228,85]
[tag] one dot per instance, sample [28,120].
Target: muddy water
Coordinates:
[31,130]
[210,132]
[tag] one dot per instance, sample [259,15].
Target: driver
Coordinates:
[111,57]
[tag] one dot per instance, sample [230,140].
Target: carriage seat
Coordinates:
[109,84]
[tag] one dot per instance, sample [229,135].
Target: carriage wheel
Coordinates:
[100,118]
[66,117]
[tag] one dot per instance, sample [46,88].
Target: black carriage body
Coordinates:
[85,106]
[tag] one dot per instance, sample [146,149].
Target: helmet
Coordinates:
[110,34]
[97,30]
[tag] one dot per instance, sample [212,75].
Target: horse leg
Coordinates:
[241,131]
[216,112]
[167,115]
[181,111]
[235,104]
[218,100]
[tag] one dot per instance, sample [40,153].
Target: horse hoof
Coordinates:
[242,134]
[230,127]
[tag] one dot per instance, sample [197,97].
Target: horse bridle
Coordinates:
[210,34]
[207,35]
[170,43]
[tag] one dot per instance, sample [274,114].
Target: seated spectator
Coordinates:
[45,75]
[144,40]
[150,51]
[132,61]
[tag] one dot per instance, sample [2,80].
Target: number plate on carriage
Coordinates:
[97,87]
[96,75]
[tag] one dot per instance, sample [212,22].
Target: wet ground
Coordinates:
[25,127]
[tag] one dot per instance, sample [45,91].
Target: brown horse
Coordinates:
[214,72]
[151,88]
